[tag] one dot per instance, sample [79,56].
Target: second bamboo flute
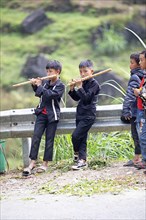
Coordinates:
[89,77]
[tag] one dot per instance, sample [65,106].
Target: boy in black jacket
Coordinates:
[86,93]
[48,114]
[129,111]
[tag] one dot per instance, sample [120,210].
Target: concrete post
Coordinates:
[26,144]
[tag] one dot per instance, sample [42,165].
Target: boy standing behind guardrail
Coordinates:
[48,114]
[86,93]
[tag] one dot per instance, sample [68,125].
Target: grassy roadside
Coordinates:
[101,149]
[113,179]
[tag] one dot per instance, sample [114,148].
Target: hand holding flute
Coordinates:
[75,83]
[35,81]
[78,82]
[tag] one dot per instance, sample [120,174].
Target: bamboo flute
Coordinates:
[89,77]
[69,84]
[29,82]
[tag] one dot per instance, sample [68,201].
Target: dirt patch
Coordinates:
[13,184]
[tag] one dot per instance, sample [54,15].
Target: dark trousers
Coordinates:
[79,137]
[42,125]
[135,137]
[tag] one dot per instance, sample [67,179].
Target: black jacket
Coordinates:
[87,97]
[50,97]
[130,100]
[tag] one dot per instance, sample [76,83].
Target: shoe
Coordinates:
[140,165]
[80,165]
[27,171]
[42,169]
[130,163]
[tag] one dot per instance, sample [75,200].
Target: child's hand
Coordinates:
[33,81]
[72,86]
[136,92]
[79,83]
[38,81]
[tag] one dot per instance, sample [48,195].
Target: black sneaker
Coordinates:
[80,165]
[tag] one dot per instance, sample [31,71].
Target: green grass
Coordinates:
[90,187]
[69,32]
[81,185]
[102,148]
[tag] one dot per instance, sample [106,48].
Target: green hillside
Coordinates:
[70,38]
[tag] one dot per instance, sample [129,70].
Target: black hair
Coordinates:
[86,63]
[135,56]
[143,52]
[54,64]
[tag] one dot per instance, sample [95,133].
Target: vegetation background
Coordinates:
[73,35]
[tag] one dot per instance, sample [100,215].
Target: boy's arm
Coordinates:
[130,98]
[35,83]
[73,94]
[34,87]
[47,94]
[88,96]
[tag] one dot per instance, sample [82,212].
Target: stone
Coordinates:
[35,22]
[34,67]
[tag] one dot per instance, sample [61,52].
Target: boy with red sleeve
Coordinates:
[141,116]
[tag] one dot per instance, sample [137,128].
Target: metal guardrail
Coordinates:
[19,123]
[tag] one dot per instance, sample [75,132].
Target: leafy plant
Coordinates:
[101,148]
[111,42]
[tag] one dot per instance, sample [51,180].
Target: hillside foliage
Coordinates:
[79,30]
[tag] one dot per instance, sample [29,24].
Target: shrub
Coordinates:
[111,43]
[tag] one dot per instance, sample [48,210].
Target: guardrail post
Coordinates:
[26,144]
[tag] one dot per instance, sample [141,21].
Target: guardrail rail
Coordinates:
[19,123]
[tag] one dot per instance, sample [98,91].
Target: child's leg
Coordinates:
[76,140]
[40,126]
[143,139]
[49,141]
[83,146]
[79,137]
[135,136]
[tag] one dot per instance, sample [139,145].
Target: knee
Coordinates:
[36,138]
[75,137]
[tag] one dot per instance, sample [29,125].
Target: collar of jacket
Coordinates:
[89,80]
[53,84]
[137,71]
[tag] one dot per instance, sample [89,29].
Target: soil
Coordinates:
[13,184]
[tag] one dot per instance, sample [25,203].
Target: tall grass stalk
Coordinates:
[141,41]
[118,87]
[101,146]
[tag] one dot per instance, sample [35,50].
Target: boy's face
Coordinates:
[133,64]
[142,61]
[85,71]
[51,72]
